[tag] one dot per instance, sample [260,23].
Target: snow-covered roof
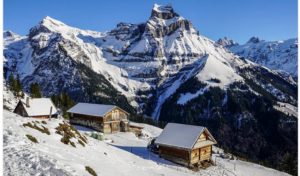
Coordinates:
[91,109]
[39,107]
[181,135]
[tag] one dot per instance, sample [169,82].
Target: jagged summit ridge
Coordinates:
[47,25]
[226,42]
[276,55]
[163,11]
[9,33]
[254,39]
[164,20]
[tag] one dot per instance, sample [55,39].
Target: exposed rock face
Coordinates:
[254,40]
[163,12]
[164,21]
[7,34]
[276,55]
[226,42]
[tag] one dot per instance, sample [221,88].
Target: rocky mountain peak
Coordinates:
[254,40]
[163,11]
[7,34]
[226,42]
[48,21]
[165,21]
[47,25]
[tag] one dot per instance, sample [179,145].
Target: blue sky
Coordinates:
[236,19]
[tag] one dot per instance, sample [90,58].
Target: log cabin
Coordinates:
[100,117]
[187,145]
[36,107]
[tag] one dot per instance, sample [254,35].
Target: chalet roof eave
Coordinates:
[110,110]
[209,134]
[173,146]
[85,114]
[117,108]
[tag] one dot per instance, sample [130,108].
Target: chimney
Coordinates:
[50,113]
[27,102]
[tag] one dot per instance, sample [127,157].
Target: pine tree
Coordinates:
[11,81]
[64,102]
[35,90]
[18,87]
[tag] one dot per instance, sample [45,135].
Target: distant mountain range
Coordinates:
[164,68]
[276,55]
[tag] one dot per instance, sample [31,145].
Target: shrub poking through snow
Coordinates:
[216,80]
[44,122]
[35,126]
[73,144]
[97,136]
[80,142]
[68,132]
[28,124]
[44,130]
[31,138]
[90,170]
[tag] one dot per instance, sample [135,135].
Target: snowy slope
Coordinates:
[276,55]
[9,100]
[127,152]
[49,31]
[287,108]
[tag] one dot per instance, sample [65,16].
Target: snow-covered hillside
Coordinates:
[126,155]
[9,99]
[276,55]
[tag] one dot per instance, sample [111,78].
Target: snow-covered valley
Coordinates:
[119,154]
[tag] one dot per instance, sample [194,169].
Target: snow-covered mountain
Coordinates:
[138,60]
[276,55]
[163,68]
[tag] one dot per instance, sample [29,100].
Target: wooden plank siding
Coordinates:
[186,157]
[113,121]
[205,153]
[42,117]
[174,154]
[195,156]
[115,114]
[93,122]
[20,110]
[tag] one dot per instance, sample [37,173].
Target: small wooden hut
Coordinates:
[100,117]
[185,144]
[36,107]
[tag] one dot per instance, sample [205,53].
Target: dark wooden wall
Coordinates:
[93,122]
[20,110]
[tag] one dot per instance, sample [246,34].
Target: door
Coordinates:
[123,126]
[115,126]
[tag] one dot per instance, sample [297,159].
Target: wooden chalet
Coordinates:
[100,117]
[36,107]
[185,144]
